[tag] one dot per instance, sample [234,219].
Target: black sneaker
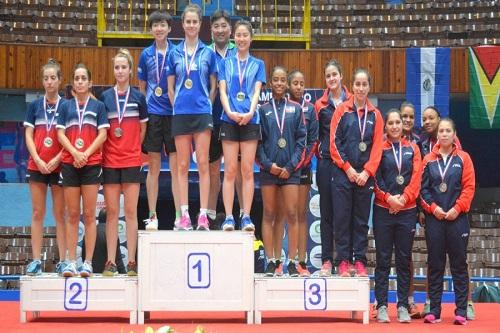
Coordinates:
[292,269]
[271,267]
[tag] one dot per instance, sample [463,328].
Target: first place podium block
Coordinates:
[195,271]
[49,292]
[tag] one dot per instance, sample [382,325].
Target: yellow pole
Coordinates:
[101,21]
[130,15]
[275,17]
[290,17]
[116,15]
[247,8]
[261,17]
[145,15]
[306,23]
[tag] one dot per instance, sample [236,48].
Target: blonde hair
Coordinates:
[52,63]
[125,53]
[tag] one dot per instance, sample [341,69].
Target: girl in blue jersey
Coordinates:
[280,155]
[240,78]
[44,165]
[81,130]
[191,86]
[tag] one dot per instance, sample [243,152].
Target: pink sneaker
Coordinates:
[431,319]
[326,269]
[184,223]
[344,269]
[360,269]
[459,320]
[203,223]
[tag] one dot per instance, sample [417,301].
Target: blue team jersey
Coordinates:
[254,72]
[197,99]
[147,71]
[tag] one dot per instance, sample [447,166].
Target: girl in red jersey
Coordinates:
[356,134]
[128,116]
[448,185]
[394,214]
[81,130]
[44,165]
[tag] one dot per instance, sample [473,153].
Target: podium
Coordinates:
[318,294]
[195,271]
[49,292]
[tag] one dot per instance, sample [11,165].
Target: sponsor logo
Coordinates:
[315,231]
[314,205]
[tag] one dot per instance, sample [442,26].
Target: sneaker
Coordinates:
[326,269]
[403,315]
[184,223]
[471,314]
[70,270]
[302,269]
[60,266]
[427,308]
[431,319]
[246,224]
[344,269]
[151,223]
[271,267]
[132,268]
[279,268]
[228,224]
[110,269]
[360,269]
[86,269]
[413,311]
[292,269]
[382,315]
[203,223]
[34,268]
[459,320]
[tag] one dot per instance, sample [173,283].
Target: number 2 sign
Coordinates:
[75,294]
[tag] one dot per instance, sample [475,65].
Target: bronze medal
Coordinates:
[47,142]
[362,146]
[158,91]
[118,132]
[282,143]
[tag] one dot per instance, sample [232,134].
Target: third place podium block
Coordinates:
[196,271]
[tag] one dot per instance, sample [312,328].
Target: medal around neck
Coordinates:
[118,132]
[48,142]
[158,91]
[282,143]
[188,84]
[400,180]
[443,187]
[362,146]
[240,96]
[79,143]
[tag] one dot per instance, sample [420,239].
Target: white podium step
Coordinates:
[195,271]
[323,294]
[49,292]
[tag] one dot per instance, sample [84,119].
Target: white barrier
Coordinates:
[195,271]
[48,292]
[296,294]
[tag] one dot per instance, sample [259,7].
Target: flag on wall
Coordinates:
[484,86]
[428,80]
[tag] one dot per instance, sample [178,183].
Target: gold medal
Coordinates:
[118,132]
[79,143]
[443,187]
[240,96]
[282,143]
[47,142]
[158,91]
[362,146]
[400,180]
[188,84]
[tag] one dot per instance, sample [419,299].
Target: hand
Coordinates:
[451,215]
[401,199]
[42,166]
[362,178]
[244,119]
[54,163]
[394,203]
[421,219]
[275,169]
[235,116]
[439,213]
[80,159]
[284,174]
[352,175]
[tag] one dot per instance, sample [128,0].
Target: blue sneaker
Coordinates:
[70,270]
[60,266]
[228,224]
[34,268]
[246,224]
[86,269]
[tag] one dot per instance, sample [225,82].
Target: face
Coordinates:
[221,30]
[122,70]
[446,133]
[50,80]
[297,86]
[160,30]
[191,24]
[333,78]
[242,38]
[394,126]
[408,116]
[279,83]
[81,82]
[361,87]
[430,120]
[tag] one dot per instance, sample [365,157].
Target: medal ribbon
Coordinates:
[48,125]
[282,125]
[121,113]
[188,66]
[362,129]
[241,75]
[446,166]
[399,160]
[159,71]
[81,113]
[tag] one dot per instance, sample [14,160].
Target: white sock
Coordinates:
[241,213]
[411,299]
[203,212]
[211,213]
[185,210]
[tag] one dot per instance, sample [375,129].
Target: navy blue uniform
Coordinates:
[311,123]
[447,237]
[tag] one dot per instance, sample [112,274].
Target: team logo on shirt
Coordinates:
[369,122]
[290,109]
[456,165]
[408,153]
[194,67]
[268,113]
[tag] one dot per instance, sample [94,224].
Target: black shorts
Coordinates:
[215,152]
[306,176]
[235,132]
[76,177]
[121,175]
[38,177]
[267,179]
[159,135]
[184,124]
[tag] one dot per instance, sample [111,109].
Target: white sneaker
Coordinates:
[151,224]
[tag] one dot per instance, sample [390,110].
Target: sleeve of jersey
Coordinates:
[261,156]
[312,136]
[61,119]
[221,76]
[29,121]
[373,162]
[171,64]
[339,157]
[102,117]
[464,201]
[427,203]
[213,62]
[143,109]
[381,191]
[300,142]
[261,72]
[142,70]
[411,191]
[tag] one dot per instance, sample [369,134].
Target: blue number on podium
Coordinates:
[315,294]
[198,270]
[75,294]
